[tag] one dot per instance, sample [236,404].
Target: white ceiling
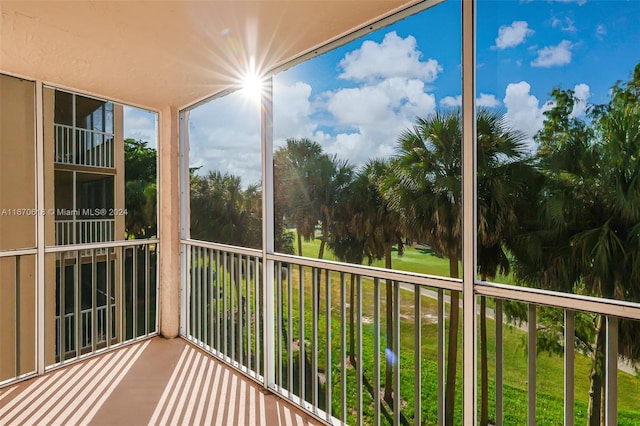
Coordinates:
[168,53]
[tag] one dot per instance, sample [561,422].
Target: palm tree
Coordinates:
[425,185]
[334,177]
[298,172]
[380,227]
[587,238]
[503,182]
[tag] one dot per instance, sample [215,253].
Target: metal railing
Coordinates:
[224,295]
[124,273]
[340,331]
[83,147]
[84,231]
[360,345]
[86,321]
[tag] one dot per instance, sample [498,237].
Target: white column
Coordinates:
[169,223]
[469,212]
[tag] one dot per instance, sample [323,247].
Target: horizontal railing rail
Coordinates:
[596,305]
[372,271]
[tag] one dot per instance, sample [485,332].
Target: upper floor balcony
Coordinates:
[83,147]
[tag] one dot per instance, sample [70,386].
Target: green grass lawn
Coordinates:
[549,373]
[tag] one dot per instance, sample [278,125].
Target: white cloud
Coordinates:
[451,101]
[579,2]
[291,110]
[523,109]
[487,101]
[224,135]
[566,25]
[582,93]
[554,56]
[140,124]
[484,100]
[393,57]
[513,35]
[601,31]
[373,116]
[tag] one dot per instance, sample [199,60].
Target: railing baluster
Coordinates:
[441,383]
[240,312]
[343,346]
[225,307]
[611,407]
[258,314]
[569,352]
[328,369]
[417,341]
[278,333]
[396,352]
[290,327]
[134,290]
[301,345]
[17,280]
[376,348]
[211,297]
[232,308]
[94,302]
[247,312]
[499,363]
[198,269]
[77,302]
[109,318]
[314,339]
[531,371]
[146,289]
[359,346]
[217,289]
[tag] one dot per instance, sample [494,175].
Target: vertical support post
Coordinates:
[266,127]
[94,302]
[469,212]
[569,351]
[531,371]
[40,236]
[611,409]
[499,363]
[441,331]
[185,189]
[169,215]
[376,348]
[417,349]
[18,352]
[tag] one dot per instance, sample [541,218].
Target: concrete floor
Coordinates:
[153,382]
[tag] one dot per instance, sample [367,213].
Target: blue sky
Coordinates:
[356,99]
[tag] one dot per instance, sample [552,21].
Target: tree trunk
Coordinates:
[596,392]
[388,375]
[452,353]
[321,251]
[299,243]
[484,368]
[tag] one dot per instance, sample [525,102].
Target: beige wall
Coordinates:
[10,291]
[17,162]
[17,191]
